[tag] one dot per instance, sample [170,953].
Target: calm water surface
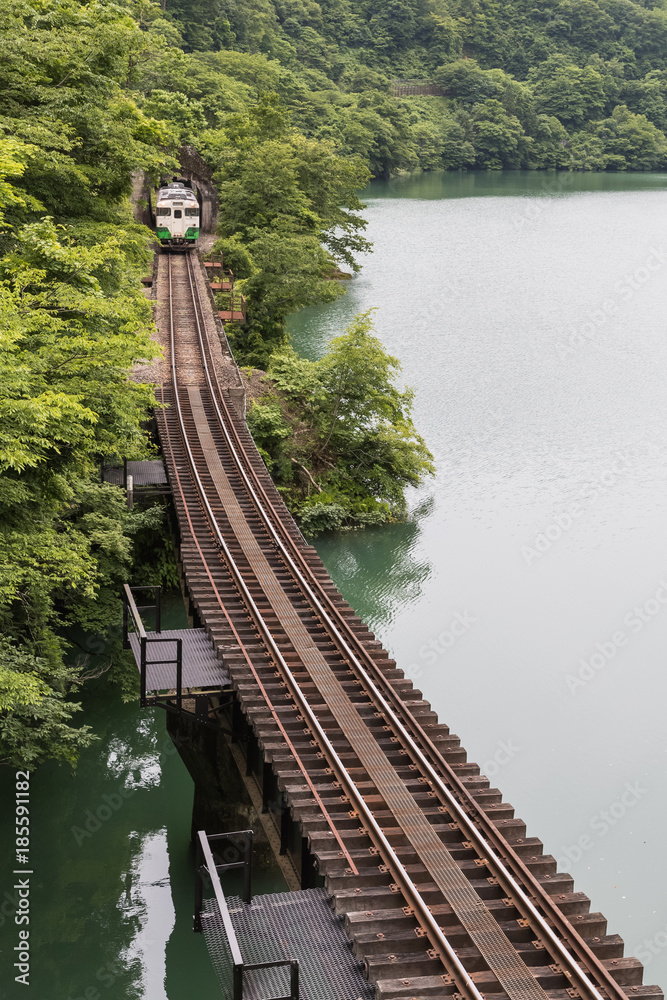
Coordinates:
[529,312]
[112,891]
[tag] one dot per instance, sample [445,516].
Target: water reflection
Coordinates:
[102,906]
[79,848]
[530,322]
[147,907]
[516,183]
[378,570]
[143,769]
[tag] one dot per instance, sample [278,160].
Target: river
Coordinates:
[111,889]
[529,314]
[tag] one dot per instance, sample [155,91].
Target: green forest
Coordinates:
[570,84]
[294,105]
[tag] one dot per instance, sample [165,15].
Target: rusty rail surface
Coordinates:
[393,814]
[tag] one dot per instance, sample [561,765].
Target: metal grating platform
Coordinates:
[298,925]
[201,666]
[143,474]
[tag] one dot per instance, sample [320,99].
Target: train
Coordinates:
[177,215]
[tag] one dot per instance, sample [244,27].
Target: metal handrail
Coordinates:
[144,663]
[250,966]
[131,611]
[246,863]
[221,902]
[129,603]
[240,966]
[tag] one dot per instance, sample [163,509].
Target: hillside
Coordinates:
[575,84]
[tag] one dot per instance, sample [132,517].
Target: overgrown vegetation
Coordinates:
[73,321]
[336,433]
[291,104]
[578,84]
[287,213]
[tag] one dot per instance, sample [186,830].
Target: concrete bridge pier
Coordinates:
[235,789]
[221,801]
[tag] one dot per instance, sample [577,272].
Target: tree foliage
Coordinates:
[290,203]
[337,433]
[293,106]
[558,68]
[73,321]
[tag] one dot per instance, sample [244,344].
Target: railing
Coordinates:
[415,88]
[206,866]
[131,616]
[222,280]
[129,606]
[236,308]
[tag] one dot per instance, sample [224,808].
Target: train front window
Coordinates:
[192,212]
[160,210]
[178,214]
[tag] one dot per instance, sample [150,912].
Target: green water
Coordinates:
[512,183]
[479,297]
[112,892]
[529,312]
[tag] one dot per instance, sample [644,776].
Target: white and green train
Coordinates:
[177,216]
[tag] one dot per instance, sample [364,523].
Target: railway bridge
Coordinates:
[411,876]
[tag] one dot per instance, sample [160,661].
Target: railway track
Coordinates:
[443,893]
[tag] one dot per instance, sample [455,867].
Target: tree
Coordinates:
[630,141]
[566,91]
[291,204]
[648,97]
[466,81]
[63,100]
[72,322]
[440,33]
[392,24]
[577,56]
[291,271]
[385,137]
[582,22]
[338,434]
[34,713]
[551,144]
[498,137]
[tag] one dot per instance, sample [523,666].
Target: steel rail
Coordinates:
[438,939]
[248,658]
[526,905]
